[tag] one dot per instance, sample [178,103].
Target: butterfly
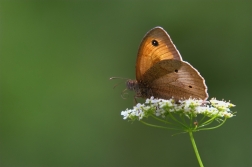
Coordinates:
[161,72]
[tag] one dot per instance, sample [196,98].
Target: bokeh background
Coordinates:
[58,107]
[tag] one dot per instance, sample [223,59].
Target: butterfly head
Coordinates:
[132,85]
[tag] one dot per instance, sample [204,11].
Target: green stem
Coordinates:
[161,120]
[156,126]
[175,120]
[195,149]
[213,127]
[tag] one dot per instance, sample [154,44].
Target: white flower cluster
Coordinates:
[161,107]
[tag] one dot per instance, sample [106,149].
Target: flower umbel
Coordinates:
[186,115]
[166,111]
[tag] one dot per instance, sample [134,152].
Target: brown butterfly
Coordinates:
[161,72]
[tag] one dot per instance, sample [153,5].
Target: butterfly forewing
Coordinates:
[155,46]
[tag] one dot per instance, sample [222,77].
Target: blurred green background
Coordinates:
[58,107]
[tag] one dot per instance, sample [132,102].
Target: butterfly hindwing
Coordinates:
[180,81]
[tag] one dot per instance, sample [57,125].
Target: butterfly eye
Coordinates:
[154,42]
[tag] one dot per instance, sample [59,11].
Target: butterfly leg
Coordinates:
[123,93]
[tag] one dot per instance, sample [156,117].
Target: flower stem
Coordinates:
[195,149]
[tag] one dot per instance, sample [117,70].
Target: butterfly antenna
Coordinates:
[117,85]
[118,78]
[119,82]
[124,91]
